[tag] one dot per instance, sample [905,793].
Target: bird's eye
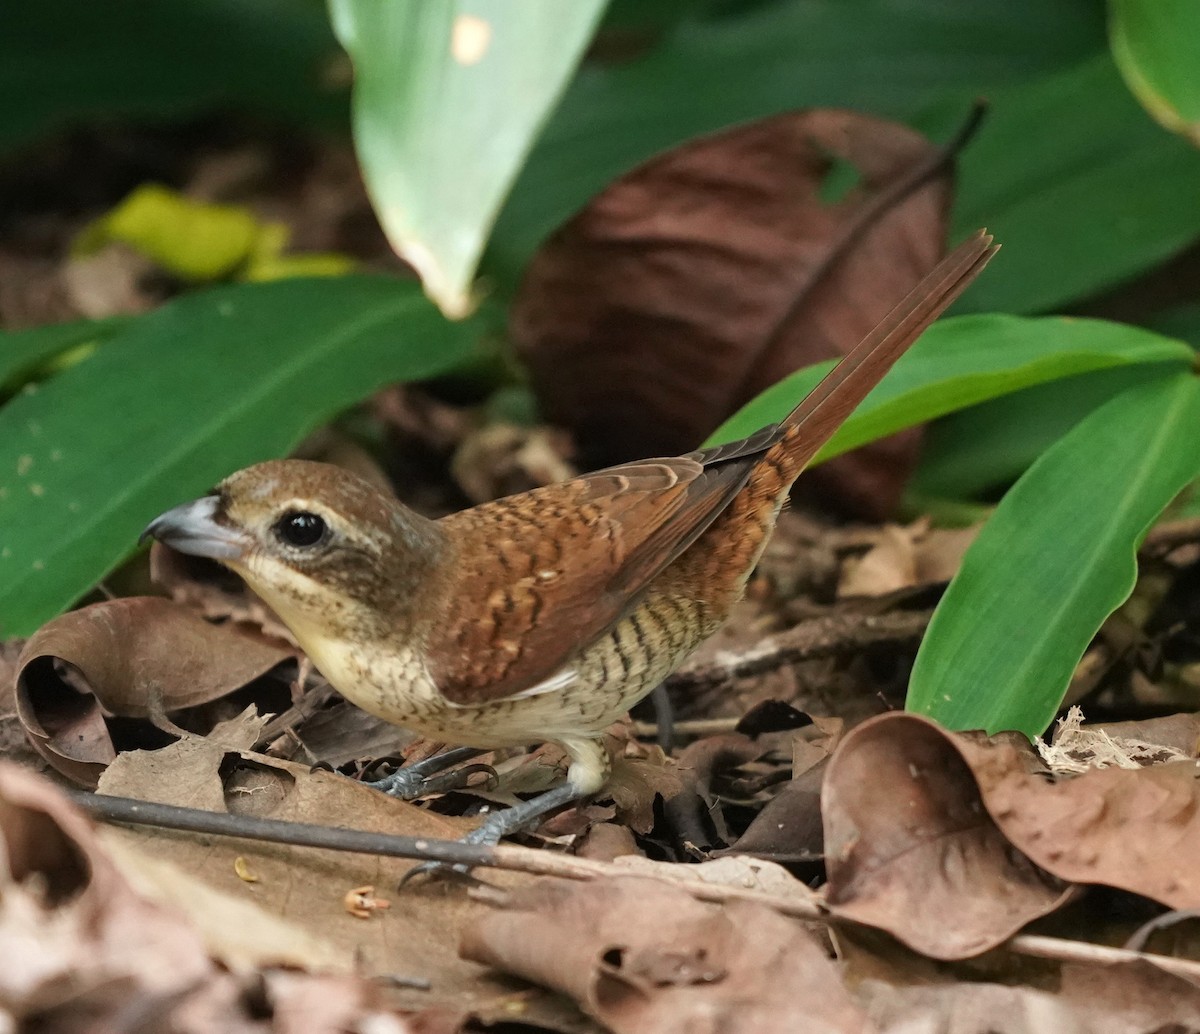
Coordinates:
[299,528]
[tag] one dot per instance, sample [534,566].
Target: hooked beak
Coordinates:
[193,528]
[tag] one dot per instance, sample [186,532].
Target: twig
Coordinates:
[548,863]
[1060,950]
[817,639]
[689,727]
[312,701]
[275,831]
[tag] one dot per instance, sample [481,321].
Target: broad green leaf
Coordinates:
[1082,190]
[184,396]
[960,362]
[448,97]
[66,61]
[1156,44]
[1056,558]
[720,67]
[23,351]
[987,447]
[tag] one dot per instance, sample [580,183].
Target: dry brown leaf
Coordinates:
[1136,829]
[85,949]
[1179,732]
[940,552]
[416,937]
[1124,999]
[141,657]
[712,271]
[888,566]
[789,828]
[697,968]
[607,840]
[905,558]
[503,459]
[1074,749]
[14,744]
[910,848]
[236,931]
[693,809]
[1010,994]
[214,591]
[732,870]
[640,774]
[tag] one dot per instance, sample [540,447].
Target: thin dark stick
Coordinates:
[814,639]
[275,831]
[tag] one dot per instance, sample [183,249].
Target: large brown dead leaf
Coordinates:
[712,271]
[1006,993]
[1126,999]
[141,657]
[84,950]
[696,968]
[415,937]
[911,849]
[1137,829]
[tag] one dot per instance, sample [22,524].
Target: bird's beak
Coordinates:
[193,528]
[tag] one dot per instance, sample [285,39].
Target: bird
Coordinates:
[543,616]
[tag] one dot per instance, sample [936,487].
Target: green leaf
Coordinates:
[184,396]
[23,351]
[960,362]
[1156,44]
[66,61]
[1056,558]
[987,447]
[195,240]
[720,68]
[448,98]
[1082,190]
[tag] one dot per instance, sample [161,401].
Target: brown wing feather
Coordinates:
[572,557]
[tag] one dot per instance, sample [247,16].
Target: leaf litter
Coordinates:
[950,870]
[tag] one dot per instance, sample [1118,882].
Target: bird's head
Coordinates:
[327,550]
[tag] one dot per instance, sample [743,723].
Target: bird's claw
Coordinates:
[411,782]
[486,834]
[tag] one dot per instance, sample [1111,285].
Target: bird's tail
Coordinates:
[813,422]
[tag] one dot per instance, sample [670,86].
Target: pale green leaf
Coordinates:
[1156,44]
[448,98]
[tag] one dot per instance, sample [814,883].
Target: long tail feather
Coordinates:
[824,409]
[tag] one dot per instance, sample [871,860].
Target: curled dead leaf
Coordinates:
[712,271]
[1133,828]
[696,968]
[911,849]
[141,657]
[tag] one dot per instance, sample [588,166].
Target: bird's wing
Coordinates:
[541,575]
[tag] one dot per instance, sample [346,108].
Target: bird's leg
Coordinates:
[501,823]
[430,776]
[588,773]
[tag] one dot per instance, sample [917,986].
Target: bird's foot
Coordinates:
[436,774]
[495,826]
